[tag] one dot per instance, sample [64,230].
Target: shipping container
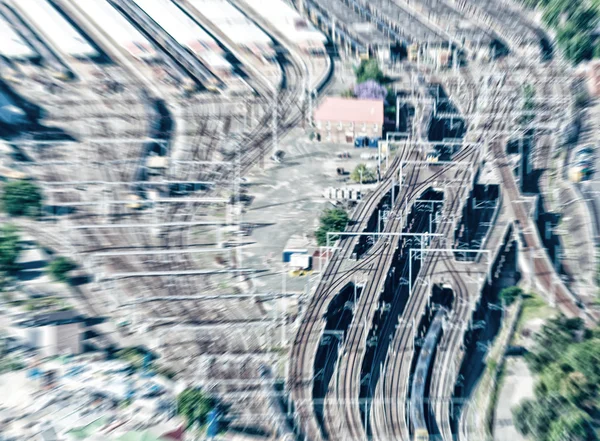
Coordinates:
[374,142]
[361,141]
[287,254]
[300,261]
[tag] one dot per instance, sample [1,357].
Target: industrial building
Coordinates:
[290,23]
[239,28]
[187,33]
[53,333]
[344,119]
[120,29]
[53,27]
[13,46]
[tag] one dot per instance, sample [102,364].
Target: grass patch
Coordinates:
[495,393]
[534,307]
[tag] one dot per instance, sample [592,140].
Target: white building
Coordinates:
[13,45]
[239,28]
[291,24]
[186,32]
[120,29]
[52,333]
[53,27]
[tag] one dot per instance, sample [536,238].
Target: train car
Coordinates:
[290,23]
[13,47]
[55,28]
[423,366]
[187,33]
[120,29]
[239,28]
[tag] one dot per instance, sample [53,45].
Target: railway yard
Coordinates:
[153,128]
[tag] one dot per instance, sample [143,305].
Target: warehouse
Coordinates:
[346,119]
[52,333]
[55,29]
[120,29]
[186,32]
[291,24]
[13,46]
[236,26]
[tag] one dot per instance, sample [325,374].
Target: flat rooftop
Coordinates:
[350,110]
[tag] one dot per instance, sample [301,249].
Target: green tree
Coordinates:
[194,405]
[60,267]
[9,248]
[332,220]
[510,294]
[552,342]
[521,416]
[579,391]
[533,418]
[363,174]
[369,70]
[574,425]
[585,358]
[22,198]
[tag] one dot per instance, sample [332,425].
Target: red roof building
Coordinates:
[343,119]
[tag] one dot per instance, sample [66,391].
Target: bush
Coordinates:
[510,294]
[332,220]
[369,70]
[194,406]
[22,198]
[566,392]
[60,267]
[363,174]
[9,248]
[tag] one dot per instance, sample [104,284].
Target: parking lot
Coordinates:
[290,196]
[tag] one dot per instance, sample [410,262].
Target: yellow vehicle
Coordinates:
[300,273]
[421,435]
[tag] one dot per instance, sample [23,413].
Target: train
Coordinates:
[417,404]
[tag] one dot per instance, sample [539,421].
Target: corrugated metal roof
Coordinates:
[119,28]
[55,27]
[232,22]
[287,20]
[177,24]
[215,61]
[350,110]
[183,29]
[13,45]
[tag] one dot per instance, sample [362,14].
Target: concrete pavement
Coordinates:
[517,385]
